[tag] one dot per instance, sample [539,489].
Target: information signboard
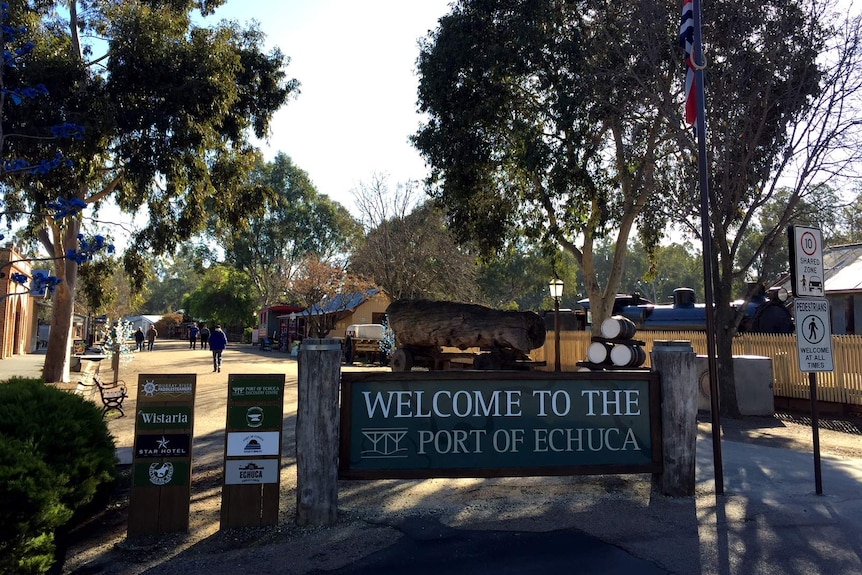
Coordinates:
[162,457]
[255,415]
[402,425]
[806,261]
[813,334]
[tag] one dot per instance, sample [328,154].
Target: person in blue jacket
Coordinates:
[218,341]
[193,336]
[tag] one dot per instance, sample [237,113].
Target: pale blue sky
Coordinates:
[357,106]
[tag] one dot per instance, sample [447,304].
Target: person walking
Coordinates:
[218,342]
[193,336]
[205,336]
[151,337]
[139,339]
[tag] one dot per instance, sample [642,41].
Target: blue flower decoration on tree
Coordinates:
[88,249]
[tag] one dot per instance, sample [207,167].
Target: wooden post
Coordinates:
[675,361]
[115,362]
[317,432]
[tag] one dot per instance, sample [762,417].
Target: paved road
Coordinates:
[769,521]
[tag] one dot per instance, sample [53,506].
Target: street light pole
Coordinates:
[556,288]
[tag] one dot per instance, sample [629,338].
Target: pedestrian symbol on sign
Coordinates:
[814,329]
[813,334]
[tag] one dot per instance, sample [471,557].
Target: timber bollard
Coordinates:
[676,363]
[317,432]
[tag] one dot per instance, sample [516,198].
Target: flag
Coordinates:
[686,40]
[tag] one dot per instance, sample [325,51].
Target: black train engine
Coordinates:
[767,312]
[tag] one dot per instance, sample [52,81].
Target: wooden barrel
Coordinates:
[623,355]
[618,327]
[599,352]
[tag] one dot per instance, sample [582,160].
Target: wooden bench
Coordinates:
[112,394]
[86,386]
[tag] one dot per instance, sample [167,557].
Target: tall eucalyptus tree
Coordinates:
[168,108]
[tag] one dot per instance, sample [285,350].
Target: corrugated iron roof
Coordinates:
[842,268]
[341,302]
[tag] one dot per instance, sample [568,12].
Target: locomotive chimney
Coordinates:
[683,298]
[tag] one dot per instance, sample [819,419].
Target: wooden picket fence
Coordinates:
[843,385]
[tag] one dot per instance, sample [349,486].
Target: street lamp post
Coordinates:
[556,288]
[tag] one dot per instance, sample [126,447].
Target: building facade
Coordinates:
[18,309]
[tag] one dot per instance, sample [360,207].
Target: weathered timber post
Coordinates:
[317,432]
[676,363]
[115,362]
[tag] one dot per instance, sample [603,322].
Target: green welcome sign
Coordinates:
[476,424]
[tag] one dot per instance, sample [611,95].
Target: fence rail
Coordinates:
[843,385]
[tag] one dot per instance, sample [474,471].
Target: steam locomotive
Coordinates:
[765,313]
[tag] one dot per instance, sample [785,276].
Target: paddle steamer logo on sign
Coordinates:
[166,390]
[255,417]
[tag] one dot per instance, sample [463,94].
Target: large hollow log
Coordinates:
[463,325]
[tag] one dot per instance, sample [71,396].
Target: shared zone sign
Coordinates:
[497,424]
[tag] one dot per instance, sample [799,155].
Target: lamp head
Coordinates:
[555,286]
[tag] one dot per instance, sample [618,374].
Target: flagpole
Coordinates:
[706,236]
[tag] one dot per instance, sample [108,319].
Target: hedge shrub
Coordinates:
[30,509]
[57,456]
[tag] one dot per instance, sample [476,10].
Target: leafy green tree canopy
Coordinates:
[548,120]
[223,297]
[168,108]
[295,222]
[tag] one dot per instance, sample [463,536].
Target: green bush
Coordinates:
[66,441]
[30,510]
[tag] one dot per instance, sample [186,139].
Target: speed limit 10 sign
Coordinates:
[806,261]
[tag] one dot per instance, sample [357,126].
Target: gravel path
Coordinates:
[101,546]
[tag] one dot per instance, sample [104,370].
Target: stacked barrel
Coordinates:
[616,348]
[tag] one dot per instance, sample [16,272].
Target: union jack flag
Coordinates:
[686,40]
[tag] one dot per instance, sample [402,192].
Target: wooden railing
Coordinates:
[843,385]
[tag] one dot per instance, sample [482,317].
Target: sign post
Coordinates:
[813,320]
[813,334]
[255,414]
[162,458]
[806,261]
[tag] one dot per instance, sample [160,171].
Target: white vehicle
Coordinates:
[364,339]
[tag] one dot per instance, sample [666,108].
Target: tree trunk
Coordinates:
[724,318]
[60,339]
[462,325]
